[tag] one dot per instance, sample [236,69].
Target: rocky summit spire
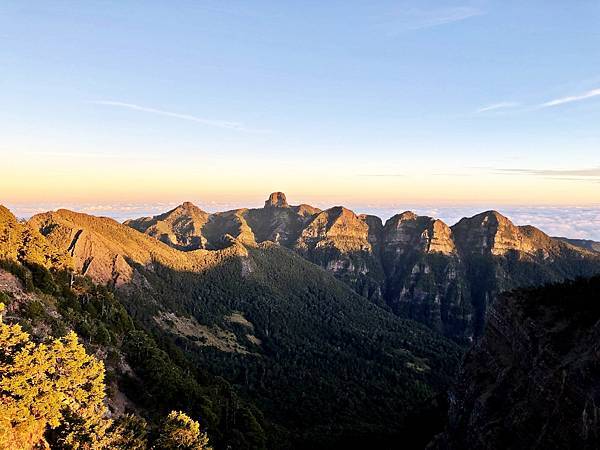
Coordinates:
[277,200]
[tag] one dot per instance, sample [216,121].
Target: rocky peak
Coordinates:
[397,220]
[188,205]
[339,227]
[276,200]
[489,232]
[408,230]
[439,238]
[185,209]
[305,210]
[492,233]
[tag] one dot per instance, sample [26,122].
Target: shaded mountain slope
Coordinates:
[533,382]
[322,364]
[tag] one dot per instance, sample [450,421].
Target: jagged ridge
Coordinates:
[418,266]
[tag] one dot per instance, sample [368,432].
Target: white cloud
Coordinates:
[497,106]
[208,122]
[571,99]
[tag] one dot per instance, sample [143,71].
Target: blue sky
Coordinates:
[392,101]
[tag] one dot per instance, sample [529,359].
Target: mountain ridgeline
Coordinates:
[418,267]
[265,348]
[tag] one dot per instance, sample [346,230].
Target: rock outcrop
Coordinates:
[276,200]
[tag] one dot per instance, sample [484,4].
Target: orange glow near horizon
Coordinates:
[65,178]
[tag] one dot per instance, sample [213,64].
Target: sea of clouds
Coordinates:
[578,222]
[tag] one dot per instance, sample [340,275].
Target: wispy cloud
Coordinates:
[571,99]
[417,19]
[448,15]
[591,174]
[549,104]
[237,126]
[497,106]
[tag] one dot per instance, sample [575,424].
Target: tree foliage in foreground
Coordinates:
[181,432]
[52,395]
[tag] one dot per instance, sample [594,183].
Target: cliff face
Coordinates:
[346,245]
[533,382]
[424,276]
[445,277]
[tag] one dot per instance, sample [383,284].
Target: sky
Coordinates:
[436,104]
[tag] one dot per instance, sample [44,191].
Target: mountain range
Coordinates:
[290,326]
[418,267]
[303,360]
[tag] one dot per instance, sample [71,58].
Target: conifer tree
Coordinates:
[50,394]
[179,431]
[129,432]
